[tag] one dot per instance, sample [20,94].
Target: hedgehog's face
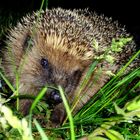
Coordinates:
[57,75]
[53,69]
[46,65]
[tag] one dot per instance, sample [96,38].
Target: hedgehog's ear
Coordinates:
[28,42]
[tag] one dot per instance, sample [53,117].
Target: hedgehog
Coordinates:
[55,47]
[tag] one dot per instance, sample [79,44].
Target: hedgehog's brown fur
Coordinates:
[65,38]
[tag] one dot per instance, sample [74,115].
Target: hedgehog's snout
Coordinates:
[54,97]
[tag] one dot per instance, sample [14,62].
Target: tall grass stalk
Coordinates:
[37,99]
[71,122]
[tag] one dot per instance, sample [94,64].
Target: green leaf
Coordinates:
[134,104]
[109,73]
[42,133]
[107,125]
[117,45]
[96,138]
[119,110]
[109,59]
[114,135]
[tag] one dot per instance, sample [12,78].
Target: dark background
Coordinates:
[126,12]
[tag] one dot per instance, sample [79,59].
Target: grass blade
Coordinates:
[68,113]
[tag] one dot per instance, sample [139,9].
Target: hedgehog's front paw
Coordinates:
[58,115]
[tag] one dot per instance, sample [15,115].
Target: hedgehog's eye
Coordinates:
[44,63]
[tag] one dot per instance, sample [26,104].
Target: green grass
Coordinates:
[101,117]
[113,113]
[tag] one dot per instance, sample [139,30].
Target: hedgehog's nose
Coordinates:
[55,97]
